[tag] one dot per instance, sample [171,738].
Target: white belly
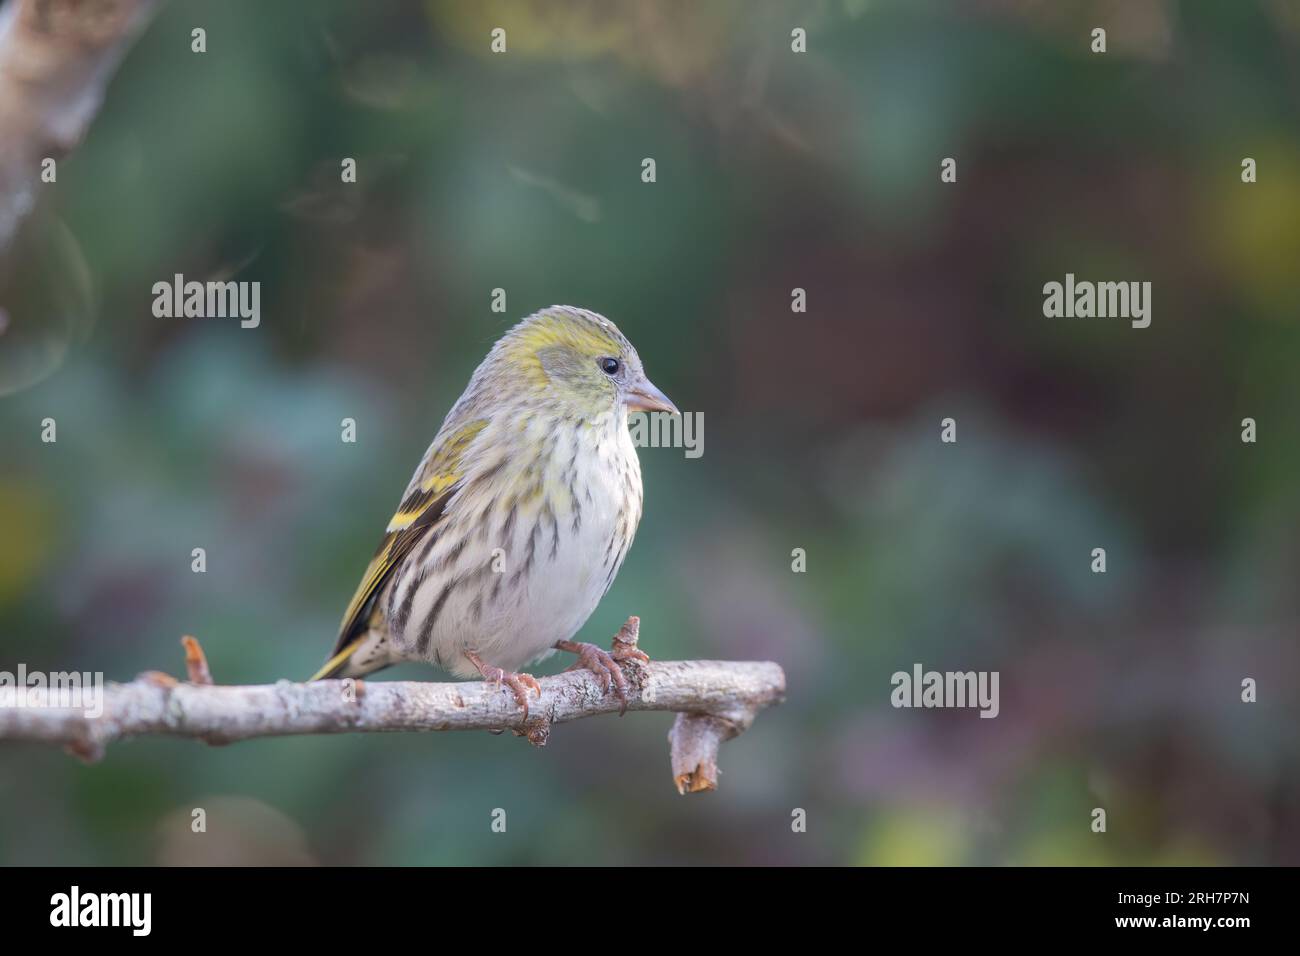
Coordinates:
[517,585]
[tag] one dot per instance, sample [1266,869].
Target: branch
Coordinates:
[714,700]
[56,58]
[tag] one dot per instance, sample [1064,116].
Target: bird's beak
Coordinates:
[643,396]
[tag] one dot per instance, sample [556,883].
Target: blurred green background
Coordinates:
[775,170]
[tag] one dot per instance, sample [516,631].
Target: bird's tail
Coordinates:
[335,665]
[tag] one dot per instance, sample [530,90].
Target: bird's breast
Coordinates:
[524,557]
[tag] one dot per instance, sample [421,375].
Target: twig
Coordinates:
[196,662]
[715,700]
[56,58]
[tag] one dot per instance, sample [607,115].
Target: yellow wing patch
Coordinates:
[419,511]
[444,468]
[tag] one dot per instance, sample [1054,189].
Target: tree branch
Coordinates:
[715,700]
[56,58]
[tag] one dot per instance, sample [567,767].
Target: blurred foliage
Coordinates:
[775,170]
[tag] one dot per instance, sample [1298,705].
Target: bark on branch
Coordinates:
[715,700]
[56,58]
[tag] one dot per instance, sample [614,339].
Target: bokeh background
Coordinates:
[775,170]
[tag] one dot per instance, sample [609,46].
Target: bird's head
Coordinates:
[580,361]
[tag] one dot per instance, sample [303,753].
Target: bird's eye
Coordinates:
[610,366]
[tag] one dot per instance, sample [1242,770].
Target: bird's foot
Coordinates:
[520,684]
[605,665]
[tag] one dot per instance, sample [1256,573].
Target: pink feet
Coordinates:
[519,683]
[606,665]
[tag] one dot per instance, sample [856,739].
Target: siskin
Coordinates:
[517,517]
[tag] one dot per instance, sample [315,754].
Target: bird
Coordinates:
[518,517]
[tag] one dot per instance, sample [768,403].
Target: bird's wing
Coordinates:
[421,510]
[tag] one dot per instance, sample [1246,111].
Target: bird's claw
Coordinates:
[519,684]
[630,654]
[604,665]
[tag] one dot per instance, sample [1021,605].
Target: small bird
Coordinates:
[517,517]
